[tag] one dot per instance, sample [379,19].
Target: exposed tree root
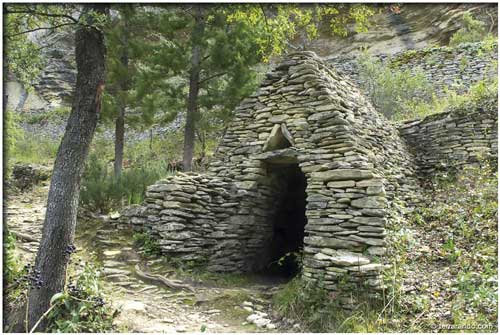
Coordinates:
[171,283]
[25,237]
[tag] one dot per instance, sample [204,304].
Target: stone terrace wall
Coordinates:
[443,66]
[455,138]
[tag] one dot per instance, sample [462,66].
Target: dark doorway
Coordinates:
[289,218]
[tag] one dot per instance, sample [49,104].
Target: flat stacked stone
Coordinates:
[182,212]
[354,160]
[461,136]
[444,67]
[361,179]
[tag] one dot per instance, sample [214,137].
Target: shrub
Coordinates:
[95,192]
[57,115]
[80,308]
[393,92]
[11,265]
[456,225]
[472,31]
[101,191]
[482,95]
[147,243]
[31,148]
[317,310]
[14,135]
[24,147]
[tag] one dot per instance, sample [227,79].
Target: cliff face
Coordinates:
[416,26]
[59,76]
[56,83]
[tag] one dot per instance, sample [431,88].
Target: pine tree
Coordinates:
[120,62]
[200,62]
[203,57]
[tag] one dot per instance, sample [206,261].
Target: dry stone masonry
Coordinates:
[309,132]
[454,138]
[306,164]
[457,68]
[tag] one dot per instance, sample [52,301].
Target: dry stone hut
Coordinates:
[306,164]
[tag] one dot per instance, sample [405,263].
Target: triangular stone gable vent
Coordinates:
[280,138]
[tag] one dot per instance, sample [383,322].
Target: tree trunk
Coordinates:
[120,120]
[62,204]
[194,87]
[119,141]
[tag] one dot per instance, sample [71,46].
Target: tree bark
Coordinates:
[119,141]
[194,87]
[120,120]
[62,204]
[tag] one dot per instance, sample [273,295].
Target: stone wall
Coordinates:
[359,173]
[454,138]
[354,163]
[444,67]
[185,214]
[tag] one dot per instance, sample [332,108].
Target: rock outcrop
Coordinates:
[414,26]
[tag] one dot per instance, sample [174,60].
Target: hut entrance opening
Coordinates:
[288,219]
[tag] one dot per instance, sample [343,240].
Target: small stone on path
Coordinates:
[111,252]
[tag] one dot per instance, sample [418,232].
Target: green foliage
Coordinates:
[102,191]
[80,308]
[11,262]
[452,240]
[22,55]
[57,115]
[482,95]
[318,310]
[274,26]
[234,39]
[31,148]
[13,135]
[228,53]
[472,31]
[394,92]
[145,241]
[403,95]
[471,211]
[24,147]
[294,256]
[451,251]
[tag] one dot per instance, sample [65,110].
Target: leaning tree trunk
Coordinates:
[194,87]
[60,219]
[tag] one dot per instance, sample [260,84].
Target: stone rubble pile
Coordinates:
[25,176]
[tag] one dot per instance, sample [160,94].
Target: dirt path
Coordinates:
[147,306]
